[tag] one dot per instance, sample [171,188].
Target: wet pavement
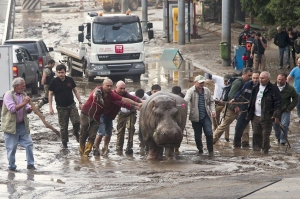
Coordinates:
[231,173]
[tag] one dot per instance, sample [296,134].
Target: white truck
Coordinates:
[6,63]
[113,47]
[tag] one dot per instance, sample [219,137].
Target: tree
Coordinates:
[238,12]
[270,12]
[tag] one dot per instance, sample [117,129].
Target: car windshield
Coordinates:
[31,47]
[117,33]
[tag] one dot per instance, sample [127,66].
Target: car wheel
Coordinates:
[40,86]
[34,86]
[133,5]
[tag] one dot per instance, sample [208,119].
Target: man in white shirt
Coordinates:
[264,108]
[220,84]
[127,119]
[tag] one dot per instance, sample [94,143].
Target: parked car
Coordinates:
[24,66]
[38,50]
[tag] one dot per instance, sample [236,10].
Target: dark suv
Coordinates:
[24,66]
[38,50]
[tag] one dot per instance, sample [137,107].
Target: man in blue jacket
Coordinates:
[242,128]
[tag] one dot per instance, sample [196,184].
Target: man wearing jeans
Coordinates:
[282,40]
[289,99]
[202,109]
[295,74]
[15,124]
[242,128]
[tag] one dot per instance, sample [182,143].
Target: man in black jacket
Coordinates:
[264,108]
[282,40]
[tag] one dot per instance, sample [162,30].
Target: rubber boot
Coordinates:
[81,148]
[130,142]
[88,149]
[210,145]
[76,129]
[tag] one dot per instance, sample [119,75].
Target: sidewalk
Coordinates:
[286,188]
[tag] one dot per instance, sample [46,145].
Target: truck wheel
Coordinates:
[91,79]
[107,6]
[34,86]
[136,78]
[79,74]
[133,5]
[72,72]
[117,7]
[69,64]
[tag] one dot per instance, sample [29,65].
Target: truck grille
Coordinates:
[119,67]
[125,56]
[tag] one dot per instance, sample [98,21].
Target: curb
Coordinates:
[61,10]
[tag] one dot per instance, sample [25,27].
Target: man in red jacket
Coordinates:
[105,128]
[102,100]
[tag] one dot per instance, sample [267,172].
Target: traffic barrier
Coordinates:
[31,5]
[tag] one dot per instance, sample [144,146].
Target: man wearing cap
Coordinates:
[232,110]
[249,44]
[202,109]
[220,84]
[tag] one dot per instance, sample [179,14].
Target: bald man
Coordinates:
[110,113]
[264,108]
[109,103]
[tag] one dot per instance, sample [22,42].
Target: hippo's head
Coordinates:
[166,116]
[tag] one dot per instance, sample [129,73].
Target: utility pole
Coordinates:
[181,22]
[124,6]
[165,15]
[226,30]
[144,15]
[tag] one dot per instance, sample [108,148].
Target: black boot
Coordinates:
[210,145]
[199,145]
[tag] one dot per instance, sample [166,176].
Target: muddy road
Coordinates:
[231,173]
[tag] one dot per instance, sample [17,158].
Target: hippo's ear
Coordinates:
[152,104]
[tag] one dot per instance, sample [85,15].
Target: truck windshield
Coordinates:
[117,33]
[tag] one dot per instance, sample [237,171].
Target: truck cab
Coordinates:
[113,46]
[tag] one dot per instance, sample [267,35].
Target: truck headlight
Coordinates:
[139,65]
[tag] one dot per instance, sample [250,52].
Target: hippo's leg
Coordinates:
[155,151]
[169,152]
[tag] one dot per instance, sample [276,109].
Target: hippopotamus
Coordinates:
[162,121]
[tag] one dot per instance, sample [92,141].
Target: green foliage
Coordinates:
[271,12]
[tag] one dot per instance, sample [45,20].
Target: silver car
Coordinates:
[24,66]
[38,50]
